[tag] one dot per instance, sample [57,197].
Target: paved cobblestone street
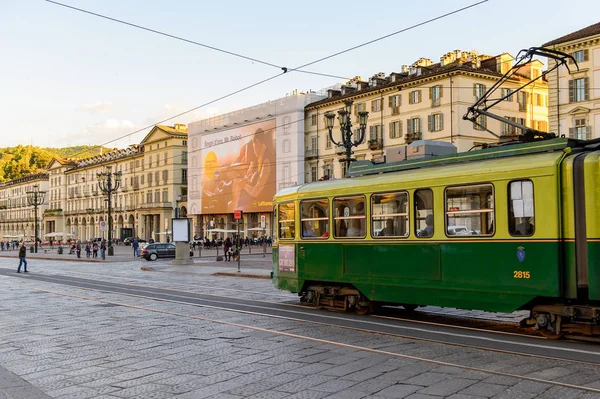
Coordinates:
[59,341]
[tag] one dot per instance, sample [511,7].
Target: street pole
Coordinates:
[344,118]
[238,245]
[105,183]
[35,198]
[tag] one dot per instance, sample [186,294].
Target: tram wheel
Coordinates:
[363,310]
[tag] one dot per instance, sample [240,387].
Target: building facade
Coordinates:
[239,160]
[425,101]
[152,190]
[574,93]
[17,216]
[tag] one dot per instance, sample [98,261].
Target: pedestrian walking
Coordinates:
[87,249]
[22,260]
[78,249]
[95,249]
[103,249]
[135,245]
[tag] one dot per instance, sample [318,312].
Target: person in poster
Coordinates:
[245,180]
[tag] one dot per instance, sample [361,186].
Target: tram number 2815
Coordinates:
[521,274]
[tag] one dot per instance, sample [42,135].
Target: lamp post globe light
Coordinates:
[347,141]
[35,198]
[109,182]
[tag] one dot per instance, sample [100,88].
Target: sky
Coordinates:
[69,78]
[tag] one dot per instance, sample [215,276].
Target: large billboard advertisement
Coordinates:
[238,169]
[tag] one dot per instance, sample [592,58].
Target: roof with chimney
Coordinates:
[591,30]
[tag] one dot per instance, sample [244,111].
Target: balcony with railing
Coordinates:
[311,153]
[155,205]
[375,143]
[53,212]
[410,137]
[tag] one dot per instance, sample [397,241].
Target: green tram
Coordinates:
[501,229]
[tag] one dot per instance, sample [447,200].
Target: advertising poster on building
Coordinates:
[238,169]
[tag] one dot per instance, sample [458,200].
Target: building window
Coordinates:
[414,97]
[413,125]
[396,129]
[349,217]
[328,143]
[184,143]
[435,122]
[375,132]
[478,90]
[389,215]
[165,157]
[286,145]
[313,173]
[470,210]
[165,196]
[286,219]
[183,176]
[581,55]
[315,218]
[376,105]
[480,123]
[142,179]
[157,196]
[184,157]
[157,177]
[424,213]
[435,94]
[578,90]
[521,208]
[313,120]
[327,171]
[394,103]
[579,130]
[150,178]
[287,120]
[507,94]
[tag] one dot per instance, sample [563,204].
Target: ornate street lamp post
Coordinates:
[109,183]
[35,197]
[346,130]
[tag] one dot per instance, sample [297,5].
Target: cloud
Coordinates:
[107,131]
[170,110]
[97,108]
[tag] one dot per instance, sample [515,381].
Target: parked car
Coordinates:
[129,240]
[159,250]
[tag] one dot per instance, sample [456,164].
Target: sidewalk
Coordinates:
[124,253]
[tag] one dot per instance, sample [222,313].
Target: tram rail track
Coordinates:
[338,343]
[488,340]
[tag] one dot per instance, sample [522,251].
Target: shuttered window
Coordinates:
[579,90]
[435,122]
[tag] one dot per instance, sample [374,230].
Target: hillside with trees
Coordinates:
[20,161]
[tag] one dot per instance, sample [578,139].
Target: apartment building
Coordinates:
[425,101]
[574,91]
[17,216]
[149,189]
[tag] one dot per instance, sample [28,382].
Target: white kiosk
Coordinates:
[181,228]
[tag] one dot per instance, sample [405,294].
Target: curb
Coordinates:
[246,275]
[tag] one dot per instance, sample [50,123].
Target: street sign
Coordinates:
[263,221]
[237,214]
[103,226]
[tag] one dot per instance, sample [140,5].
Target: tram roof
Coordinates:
[489,164]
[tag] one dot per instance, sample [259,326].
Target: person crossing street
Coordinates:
[22,260]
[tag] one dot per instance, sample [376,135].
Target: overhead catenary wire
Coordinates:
[285,70]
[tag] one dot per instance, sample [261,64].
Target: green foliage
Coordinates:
[20,161]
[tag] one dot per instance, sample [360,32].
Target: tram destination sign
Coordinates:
[287,258]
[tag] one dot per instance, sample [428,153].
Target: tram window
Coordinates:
[315,218]
[349,217]
[424,213]
[521,209]
[470,210]
[389,215]
[286,219]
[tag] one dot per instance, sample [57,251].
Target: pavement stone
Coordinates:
[75,348]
